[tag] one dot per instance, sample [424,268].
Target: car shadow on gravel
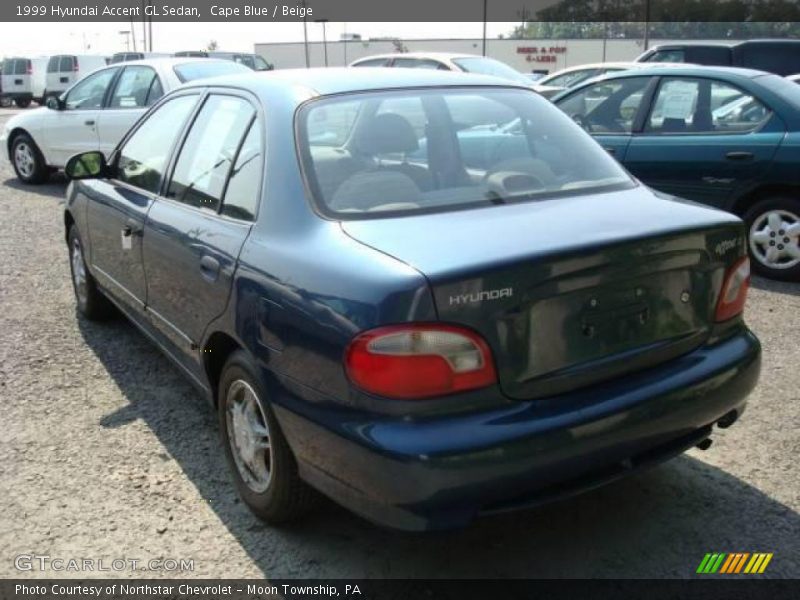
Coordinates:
[657,524]
[55,186]
[779,287]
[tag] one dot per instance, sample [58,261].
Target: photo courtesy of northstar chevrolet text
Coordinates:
[347,298]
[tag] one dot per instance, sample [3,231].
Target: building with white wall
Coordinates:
[524,55]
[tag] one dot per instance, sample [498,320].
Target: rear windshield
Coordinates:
[369,154]
[207,68]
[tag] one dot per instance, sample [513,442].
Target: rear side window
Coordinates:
[144,156]
[133,88]
[668,56]
[209,151]
[241,195]
[418,63]
[373,62]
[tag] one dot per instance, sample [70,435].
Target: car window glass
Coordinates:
[684,105]
[156,91]
[132,87]
[436,149]
[416,63]
[90,92]
[668,56]
[246,60]
[572,78]
[209,150]
[374,62]
[260,64]
[66,64]
[333,128]
[20,67]
[143,157]
[606,106]
[52,64]
[241,195]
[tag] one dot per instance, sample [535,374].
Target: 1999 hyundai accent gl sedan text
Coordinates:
[421,340]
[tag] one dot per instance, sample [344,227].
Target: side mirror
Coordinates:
[54,103]
[87,165]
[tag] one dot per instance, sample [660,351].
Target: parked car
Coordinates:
[5,101]
[443,61]
[567,78]
[131,56]
[775,56]
[96,112]
[23,80]
[422,341]
[253,61]
[722,136]
[64,70]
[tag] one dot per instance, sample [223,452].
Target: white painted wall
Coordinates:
[292,55]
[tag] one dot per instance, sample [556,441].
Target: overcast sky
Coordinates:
[31,39]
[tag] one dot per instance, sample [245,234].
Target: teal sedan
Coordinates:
[725,137]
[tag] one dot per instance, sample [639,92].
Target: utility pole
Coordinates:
[324,38]
[305,35]
[144,27]
[485,9]
[150,28]
[646,25]
[133,35]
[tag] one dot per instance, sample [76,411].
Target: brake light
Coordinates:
[419,360]
[734,291]
[75,64]
[29,68]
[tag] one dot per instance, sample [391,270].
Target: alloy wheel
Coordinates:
[79,272]
[24,159]
[249,436]
[775,239]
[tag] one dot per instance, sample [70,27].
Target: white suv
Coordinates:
[96,112]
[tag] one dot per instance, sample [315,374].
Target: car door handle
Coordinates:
[209,267]
[131,228]
[739,156]
[89,122]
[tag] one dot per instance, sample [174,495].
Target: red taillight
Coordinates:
[734,291]
[419,361]
[29,68]
[75,65]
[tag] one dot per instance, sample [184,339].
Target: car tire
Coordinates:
[22,102]
[27,159]
[773,233]
[90,301]
[266,477]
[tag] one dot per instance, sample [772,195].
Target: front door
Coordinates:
[704,140]
[193,236]
[74,129]
[608,110]
[120,205]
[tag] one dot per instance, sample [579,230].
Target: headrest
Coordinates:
[387,133]
[368,189]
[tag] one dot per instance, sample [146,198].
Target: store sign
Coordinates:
[541,54]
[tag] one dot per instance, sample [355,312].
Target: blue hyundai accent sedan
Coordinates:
[421,338]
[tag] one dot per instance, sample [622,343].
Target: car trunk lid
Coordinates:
[570,291]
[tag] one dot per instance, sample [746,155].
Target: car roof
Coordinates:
[168,61]
[688,71]
[339,80]
[434,55]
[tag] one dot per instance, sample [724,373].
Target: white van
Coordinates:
[65,69]
[129,56]
[24,79]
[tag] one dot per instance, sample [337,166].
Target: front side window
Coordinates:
[703,106]
[90,92]
[209,151]
[606,106]
[144,156]
[133,88]
[440,149]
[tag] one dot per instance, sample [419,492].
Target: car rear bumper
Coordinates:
[442,472]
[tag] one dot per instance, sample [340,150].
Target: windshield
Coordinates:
[489,66]
[208,68]
[416,151]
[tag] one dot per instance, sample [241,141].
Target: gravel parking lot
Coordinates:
[107,452]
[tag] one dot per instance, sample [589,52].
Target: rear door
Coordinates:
[137,88]
[17,76]
[119,206]
[704,139]
[609,110]
[74,129]
[194,233]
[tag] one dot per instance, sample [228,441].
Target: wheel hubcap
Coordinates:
[78,271]
[248,435]
[775,239]
[23,159]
